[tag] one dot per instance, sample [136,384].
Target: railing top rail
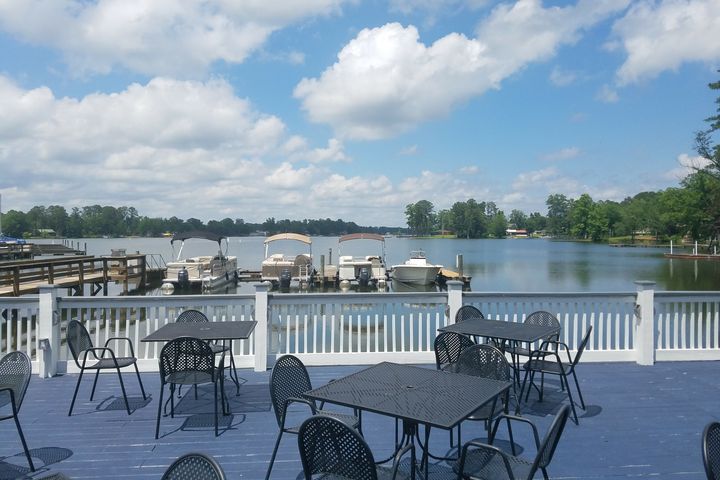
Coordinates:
[535,295]
[358,297]
[168,301]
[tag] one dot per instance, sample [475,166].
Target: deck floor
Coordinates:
[640,422]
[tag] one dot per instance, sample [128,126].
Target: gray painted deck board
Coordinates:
[641,422]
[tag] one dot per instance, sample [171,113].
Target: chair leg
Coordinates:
[272,458]
[160,403]
[215,401]
[122,387]
[572,403]
[77,387]
[577,384]
[172,399]
[137,372]
[92,392]
[24,444]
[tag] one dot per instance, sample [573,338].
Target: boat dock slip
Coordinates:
[25,276]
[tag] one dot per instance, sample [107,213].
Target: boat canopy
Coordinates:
[182,236]
[289,236]
[6,239]
[361,236]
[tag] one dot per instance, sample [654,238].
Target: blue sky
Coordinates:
[348,109]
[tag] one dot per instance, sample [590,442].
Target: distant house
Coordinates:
[46,233]
[516,232]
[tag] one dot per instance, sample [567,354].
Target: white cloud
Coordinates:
[435,6]
[410,150]
[686,166]
[333,153]
[563,154]
[158,37]
[287,177]
[386,80]
[562,78]
[607,94]
[662,35]
[470,170]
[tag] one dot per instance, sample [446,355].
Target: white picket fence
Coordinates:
[364,328]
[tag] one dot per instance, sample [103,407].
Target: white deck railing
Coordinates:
[362,328]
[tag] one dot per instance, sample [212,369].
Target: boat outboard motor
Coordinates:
[183,278]
[364,277]
[285,278]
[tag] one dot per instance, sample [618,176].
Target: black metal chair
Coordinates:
[289,380]
[15,370]
[448,346]
[485,461]
[190,361]
[711,450]
[329,448]
[196,316]
[546,361]
[81,347]
[468,312]
[543,318]
[486,361]
[194,466]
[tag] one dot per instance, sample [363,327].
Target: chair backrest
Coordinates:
[78,339]
[541,317]
[289,378]
[581,347]
[191,316]
[194,466]
[448,347]
[484,361]
[711,450]
[329,446]
[15,371]
[468,312]
[186,354]
[549,444]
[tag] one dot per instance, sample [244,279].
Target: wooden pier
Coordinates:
[23,277]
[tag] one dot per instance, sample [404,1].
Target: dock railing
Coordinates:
[364,328]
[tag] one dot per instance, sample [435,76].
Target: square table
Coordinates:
[415,395]
[505,331]
[239,330]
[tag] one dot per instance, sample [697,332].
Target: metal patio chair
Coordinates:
[329,448]
[88,357]
[15,371]
[196,316]
[194,466]
[711,450]
[448,346]
[539,317]
[485,461]
[289,380]
[190,361]
[468,312]
[486,361]
[546,361]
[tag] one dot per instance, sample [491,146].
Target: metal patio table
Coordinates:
[237,330]
[505,332]
[415,395]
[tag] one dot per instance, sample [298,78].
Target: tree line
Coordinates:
[97,221]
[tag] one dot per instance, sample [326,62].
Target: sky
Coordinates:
[348,109]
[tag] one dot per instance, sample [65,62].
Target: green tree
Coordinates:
[518,219]
[558,220]
[420,217]
[15,224]
[498,224]
[580,216]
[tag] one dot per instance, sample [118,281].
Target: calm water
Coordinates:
[512,265]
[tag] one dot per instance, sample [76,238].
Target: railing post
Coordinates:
[455,299]
[48,331]
[645,322]
[261,330]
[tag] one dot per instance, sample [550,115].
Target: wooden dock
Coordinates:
[692,256]
[24,277]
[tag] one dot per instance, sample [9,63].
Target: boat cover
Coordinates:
[182,236]
[361,236]
[289,236]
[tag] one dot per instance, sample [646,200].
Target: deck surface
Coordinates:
[641,422]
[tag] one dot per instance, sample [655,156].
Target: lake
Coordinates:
[507,265]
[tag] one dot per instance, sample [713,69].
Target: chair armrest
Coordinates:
[556,344]
[541,354]
[132,351]
[488,450]
[410,447]
[12,398]
[95,351]
[515,418]
[292,400]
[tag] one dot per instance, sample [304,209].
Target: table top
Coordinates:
[203,330]
[431,397]
[518,332]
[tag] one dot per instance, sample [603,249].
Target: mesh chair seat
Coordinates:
[104,363]
[194,466]
[490,465]
[189,378]
[548,366]
[349,420]
[488,411]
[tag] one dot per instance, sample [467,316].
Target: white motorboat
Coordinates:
[203,273]
[281,270]
[416,270]
[362,269]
